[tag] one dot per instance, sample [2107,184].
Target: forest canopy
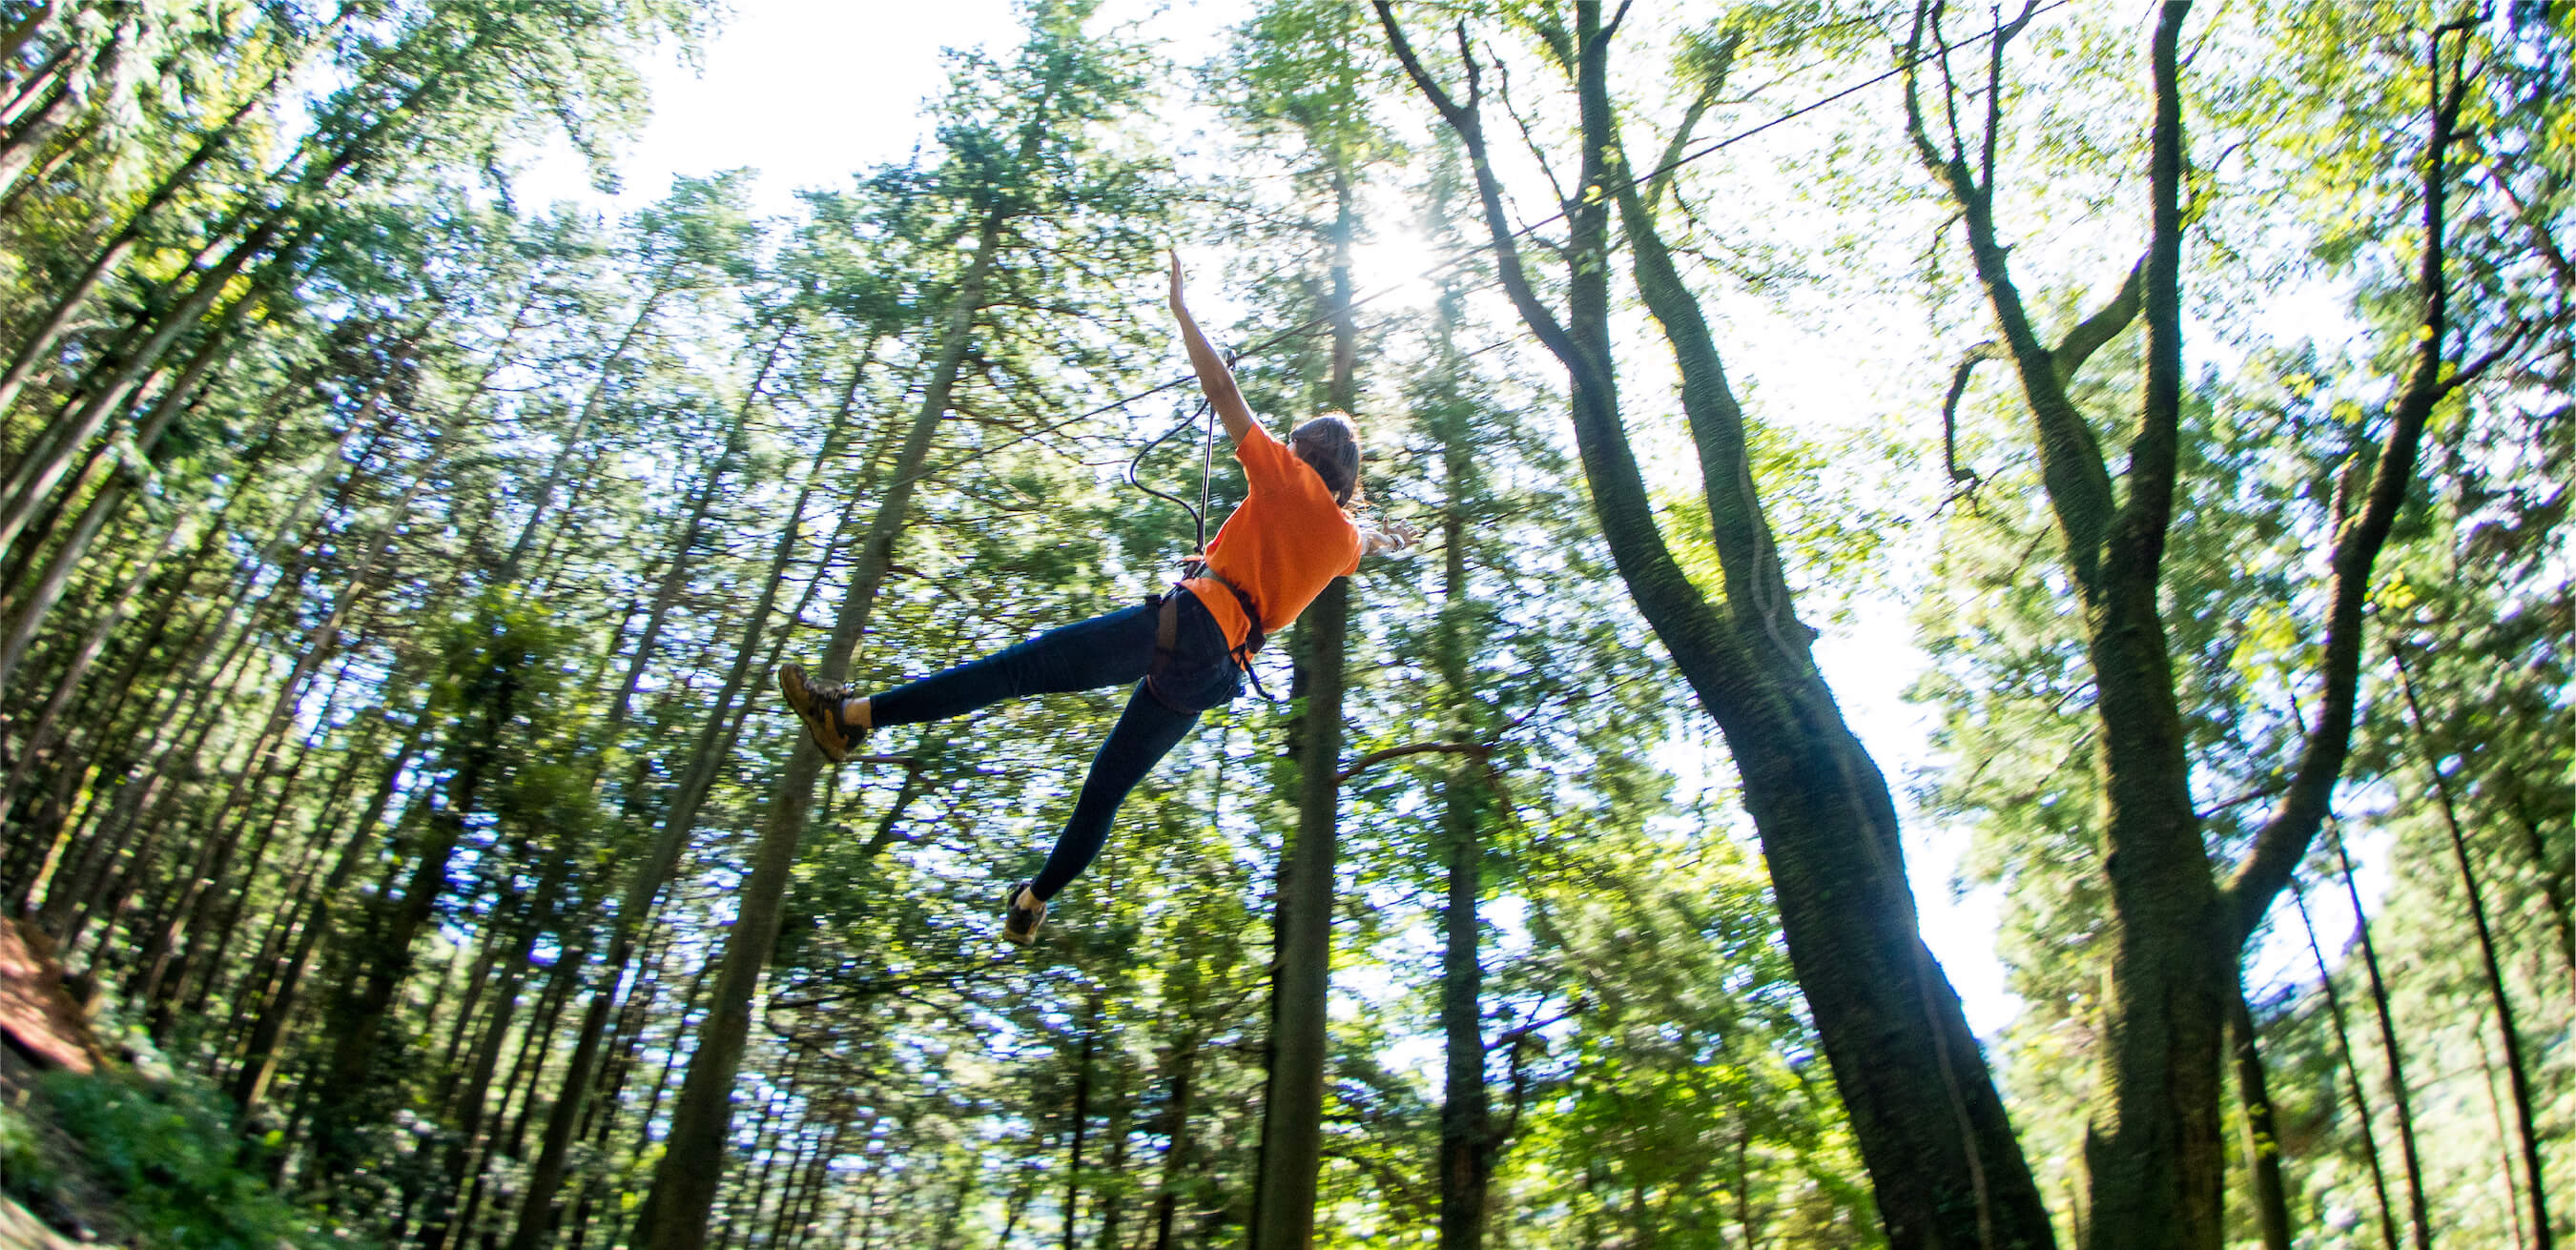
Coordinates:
[2119,450]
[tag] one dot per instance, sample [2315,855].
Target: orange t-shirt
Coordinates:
[1281,547]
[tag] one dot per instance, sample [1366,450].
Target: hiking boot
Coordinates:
[1022,913]
[818,704]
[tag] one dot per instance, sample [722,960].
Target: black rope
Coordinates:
[1198,515]
[1207,467]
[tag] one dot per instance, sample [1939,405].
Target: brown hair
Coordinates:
[1330,445]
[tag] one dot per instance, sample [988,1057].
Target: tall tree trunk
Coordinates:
[358,1017]
[1292,1140]
[1111,1186]
[116,68]
[675,575]
[1924,1112]
[260,1052]
[1466,1152]
[474,1090]
[1180,1073]
[67,686]
[684,1184]
[30,610]
[1081,1125]
[319,644]
[2351,1071]
[33,480]
[545,1178]
[1466,1148]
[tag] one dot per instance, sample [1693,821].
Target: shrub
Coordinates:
[163,1158]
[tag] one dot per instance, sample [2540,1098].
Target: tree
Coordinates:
[1923,1108]
[2174,928]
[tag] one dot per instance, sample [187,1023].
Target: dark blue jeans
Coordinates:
[1103,651]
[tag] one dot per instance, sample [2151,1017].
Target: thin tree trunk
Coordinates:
[545,1178]
[68,303]
[675,575]
[31,610]
[358,1017]
[2262,1140]
[2420,1217]
[66,688]
[1081,1123]
[1182,1069]
[2517,1074]
[34,479]
[260,1053]
[1110,1189]
[1283,1208]
[2351,1072]
[117,67]
[675,1215]
[474,1090]
[590,406]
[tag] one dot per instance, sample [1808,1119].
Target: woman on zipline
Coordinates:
[1185,652]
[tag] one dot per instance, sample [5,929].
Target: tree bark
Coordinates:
[1081,1124]
[2420,1217]
[1292,1113]
[684,1184]
[2262,1140]
[1924,1112]
[1466,1148]
[2351,1072]
[545,1178]
[358,1017]
[2517,1074]
[2154,1152]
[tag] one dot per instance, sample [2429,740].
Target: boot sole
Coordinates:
[824,733]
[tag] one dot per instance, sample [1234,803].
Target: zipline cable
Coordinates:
[1311,324]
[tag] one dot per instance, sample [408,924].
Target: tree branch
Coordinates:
[1480,750]
[1470,129]
[2283,840]
[1968,363]
[2140,527]
[1712,81]
[1529,138]
[2071,464]
[2090,334]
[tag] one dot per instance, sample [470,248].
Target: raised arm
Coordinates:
[1215,379]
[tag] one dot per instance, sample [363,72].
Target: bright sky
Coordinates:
[809,92]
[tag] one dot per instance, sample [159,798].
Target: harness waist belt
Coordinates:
[1167,622]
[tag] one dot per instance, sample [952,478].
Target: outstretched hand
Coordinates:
[1389,538]
[1179,304]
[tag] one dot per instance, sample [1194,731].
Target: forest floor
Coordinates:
[41,1029]
[44,1027]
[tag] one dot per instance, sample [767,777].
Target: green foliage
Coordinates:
[162,1164]
[501,489]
